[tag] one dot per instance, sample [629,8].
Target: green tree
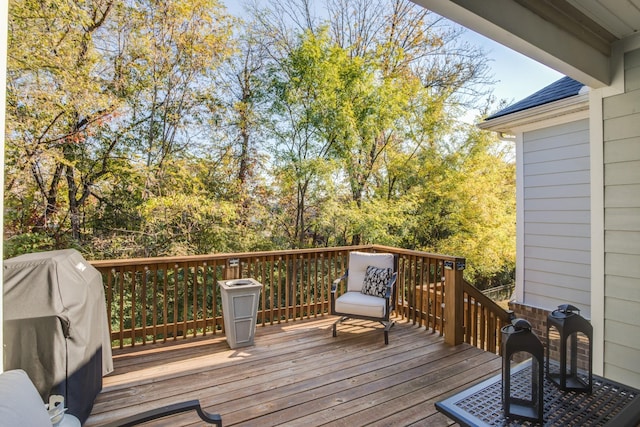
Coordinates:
[484,211]
[464,194]
[56,112]
[163,57]
[303,86]
[144,128]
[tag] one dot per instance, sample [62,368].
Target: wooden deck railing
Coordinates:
[483,319]
[160,299]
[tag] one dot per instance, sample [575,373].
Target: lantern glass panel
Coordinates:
[553,354]
[569,349]
[522,372]
[524,381]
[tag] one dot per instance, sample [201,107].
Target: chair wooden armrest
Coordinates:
[165,411]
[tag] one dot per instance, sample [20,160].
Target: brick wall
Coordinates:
[538,319]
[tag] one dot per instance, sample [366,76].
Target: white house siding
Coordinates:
[557,216]
[621,126]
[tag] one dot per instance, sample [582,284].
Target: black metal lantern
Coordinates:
[522,388]
[574,333]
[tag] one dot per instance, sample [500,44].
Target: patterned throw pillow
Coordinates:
[375,281]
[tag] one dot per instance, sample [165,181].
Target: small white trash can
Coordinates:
[240,310]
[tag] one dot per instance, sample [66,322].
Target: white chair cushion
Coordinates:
[359,304]
[20,402]
[358,263]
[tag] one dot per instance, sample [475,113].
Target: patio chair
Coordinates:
[370,279]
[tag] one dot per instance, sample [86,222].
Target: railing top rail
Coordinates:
[259,254]
[225,255]
[486,301]
[413,252]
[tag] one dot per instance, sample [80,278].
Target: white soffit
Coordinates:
[620,17]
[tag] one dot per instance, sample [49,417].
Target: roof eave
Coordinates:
[519,119]
[519,28]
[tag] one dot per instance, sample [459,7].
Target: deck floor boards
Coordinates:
[297,374]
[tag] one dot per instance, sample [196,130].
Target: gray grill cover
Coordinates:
[56,327]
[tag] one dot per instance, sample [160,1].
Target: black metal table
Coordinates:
[610,404]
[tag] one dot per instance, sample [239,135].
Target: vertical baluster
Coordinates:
[431,282]
[307,277]
[185,299]
[287,281]
[143,303]
[214,295]
[408,277]
[165,302]
[204,298]
[175,302]
[299,301]
[272,288]
[263,291]
[408,284]
[298,278]
[491,326]
[331,273]
[307,269]
[334,270]
[282,283]
[413,266]
[109,297]
[483,325]
[436,298]
[420,289]
[323,286]
[441,307]
[467,318]
[475,316]
[121,294]
[302,285]
[403,285]
[134,275]
[497,336]
[194,300]
[154,303]
[263,298]
[315,285]
[476,324]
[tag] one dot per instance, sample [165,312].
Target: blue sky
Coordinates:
[516,75]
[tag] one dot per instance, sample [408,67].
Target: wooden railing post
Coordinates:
[453,301]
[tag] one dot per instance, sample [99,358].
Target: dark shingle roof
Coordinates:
[563,88]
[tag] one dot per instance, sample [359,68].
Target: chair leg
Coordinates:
[340,320]
[387,327]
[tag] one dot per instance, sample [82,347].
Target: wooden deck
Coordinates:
[297,374]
